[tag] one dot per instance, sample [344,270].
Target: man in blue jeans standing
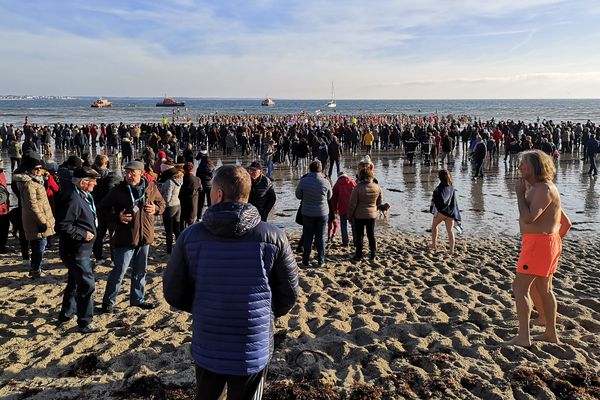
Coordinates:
[131,207]
[77,226]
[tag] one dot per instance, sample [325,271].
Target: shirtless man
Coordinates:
[543,224]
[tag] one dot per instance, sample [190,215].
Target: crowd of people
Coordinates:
[168,172]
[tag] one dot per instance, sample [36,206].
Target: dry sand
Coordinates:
[415,323]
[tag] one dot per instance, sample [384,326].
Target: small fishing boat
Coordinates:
[168,102]
[267,102]
[100,102]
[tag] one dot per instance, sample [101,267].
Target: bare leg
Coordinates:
[521,286]
[544,287]
[538,304]
[434,230]
[449,229]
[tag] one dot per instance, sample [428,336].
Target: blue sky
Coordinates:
[294,49]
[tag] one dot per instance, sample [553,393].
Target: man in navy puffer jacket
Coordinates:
[235,274]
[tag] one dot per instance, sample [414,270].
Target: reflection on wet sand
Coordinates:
[488,205]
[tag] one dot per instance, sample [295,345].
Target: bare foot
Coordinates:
[431,246]
[544,337]
[516,341]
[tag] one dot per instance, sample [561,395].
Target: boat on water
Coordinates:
[267,102]
[331,103]
[100,103]
[169,102]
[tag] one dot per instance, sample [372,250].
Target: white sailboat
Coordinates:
[331,104]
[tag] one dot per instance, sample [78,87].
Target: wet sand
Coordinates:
[488,206]
[414,323]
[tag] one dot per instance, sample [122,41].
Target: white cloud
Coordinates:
[367,48]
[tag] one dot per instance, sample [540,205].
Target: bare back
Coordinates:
[543,209]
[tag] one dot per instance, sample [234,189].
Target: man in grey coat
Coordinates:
[314,191]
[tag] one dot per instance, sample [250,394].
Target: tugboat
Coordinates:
[267,102]
[168,102]
[100,102]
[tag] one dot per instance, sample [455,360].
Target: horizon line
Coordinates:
[300,99]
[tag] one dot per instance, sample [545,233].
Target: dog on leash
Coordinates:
[383,210]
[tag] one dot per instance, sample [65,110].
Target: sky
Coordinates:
[404,49]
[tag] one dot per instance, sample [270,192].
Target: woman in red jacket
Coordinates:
[342,190]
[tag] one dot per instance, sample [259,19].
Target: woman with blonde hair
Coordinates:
[362,209]
[444,207]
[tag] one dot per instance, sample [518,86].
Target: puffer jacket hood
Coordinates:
[21,178]
[231,219]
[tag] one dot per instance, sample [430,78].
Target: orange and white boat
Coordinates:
[267,102]
[100,102]
[168,102]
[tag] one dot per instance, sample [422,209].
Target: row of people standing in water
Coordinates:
[294,137]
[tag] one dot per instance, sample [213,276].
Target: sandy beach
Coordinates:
[414,323]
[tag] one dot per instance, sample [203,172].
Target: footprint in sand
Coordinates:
[488,301]
[481,287]
[590,303]
[560,352]
[589,325]
[455,292]
[568,310]
[426,311]
[452,310]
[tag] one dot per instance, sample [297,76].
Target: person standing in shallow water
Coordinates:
[543,225]
[444,208]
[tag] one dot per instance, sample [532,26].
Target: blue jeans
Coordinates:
[344,229]
[37,253]
[78,297]
[122,257]
[270,168]
[314,227]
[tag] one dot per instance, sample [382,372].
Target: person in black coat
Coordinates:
[262,194]
[188,196]
[188,154]
[205,172]
[479,153]
[76,225]
[108,180]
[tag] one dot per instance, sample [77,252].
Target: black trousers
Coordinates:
[171,218]
[210,385]
[359,234]
[203,195]
[4,225]
[78,296]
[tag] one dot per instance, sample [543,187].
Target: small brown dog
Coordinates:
[48,150]
[383,209]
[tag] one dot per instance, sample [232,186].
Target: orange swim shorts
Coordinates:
[539,254]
